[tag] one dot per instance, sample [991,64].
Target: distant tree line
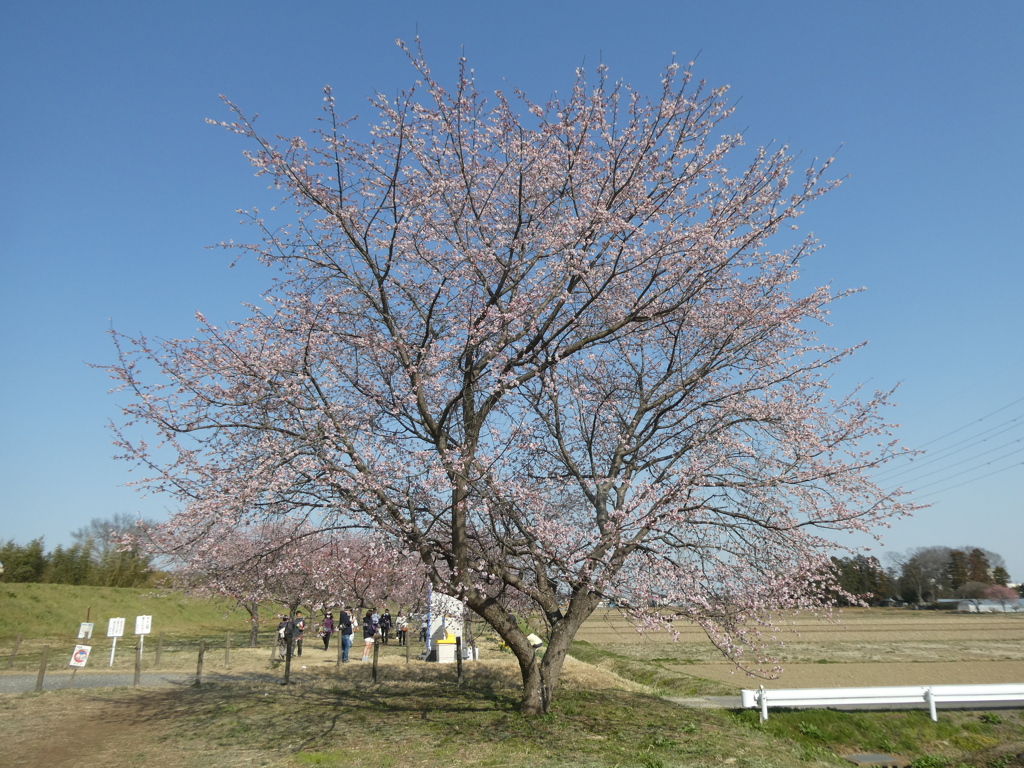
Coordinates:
[98,557]
[921,575]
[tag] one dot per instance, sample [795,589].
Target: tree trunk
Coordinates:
[254,623]
[540,673]
[534,701]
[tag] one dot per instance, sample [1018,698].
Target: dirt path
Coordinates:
[82,729]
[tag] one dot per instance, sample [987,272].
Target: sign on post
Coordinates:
[115,629]
[85,630]
[80,656]
[143,626]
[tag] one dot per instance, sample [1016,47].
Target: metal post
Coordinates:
[159,649]
[227,650]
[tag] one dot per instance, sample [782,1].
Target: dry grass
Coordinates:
[604,716]
[875,646]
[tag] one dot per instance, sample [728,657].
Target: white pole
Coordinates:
[113,647]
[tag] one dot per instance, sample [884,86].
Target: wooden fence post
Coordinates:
[138,663]
[159,650]
[42,668]
[17,642]
[458,658]
[287,660]
[376,648]
[227,650]
[199,667]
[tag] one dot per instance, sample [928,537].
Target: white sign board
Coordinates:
[85,630]
[80,655]
[446,617]
[143,625]
[115,628]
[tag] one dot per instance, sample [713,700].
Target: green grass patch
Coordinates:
[56,610]
[958,738]
[649,672]
[438,723]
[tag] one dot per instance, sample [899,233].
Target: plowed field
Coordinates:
[865,647]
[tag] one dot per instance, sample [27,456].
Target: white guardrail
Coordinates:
[1008,694]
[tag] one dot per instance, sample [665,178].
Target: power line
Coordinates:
[944,453]
[973,479]
[907,473]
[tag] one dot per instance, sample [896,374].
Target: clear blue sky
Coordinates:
[112,187]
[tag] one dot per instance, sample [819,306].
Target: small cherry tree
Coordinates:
[283,562]
[545,345]
[1001,593]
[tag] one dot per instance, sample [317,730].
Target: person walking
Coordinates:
[345,620]
[385,626]
[283,632]
[298,627]
[369,631]
[327,629]
[402,628]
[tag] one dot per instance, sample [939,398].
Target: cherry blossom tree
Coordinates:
[1001,593]
[557,349]
[283,562]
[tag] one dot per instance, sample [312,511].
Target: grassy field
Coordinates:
[54,611]
[613,709]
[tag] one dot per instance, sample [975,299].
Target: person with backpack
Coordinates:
[385,625]
[369,633]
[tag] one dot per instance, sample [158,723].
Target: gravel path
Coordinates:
[55,681]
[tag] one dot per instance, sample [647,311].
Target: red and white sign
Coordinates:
[80,655]
[143,625]
[115,628]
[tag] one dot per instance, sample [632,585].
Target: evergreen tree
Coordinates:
[23,563]
[978,568]
[1000,576]
[957,569]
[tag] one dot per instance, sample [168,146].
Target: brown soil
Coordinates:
[80,729]
[864,647]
